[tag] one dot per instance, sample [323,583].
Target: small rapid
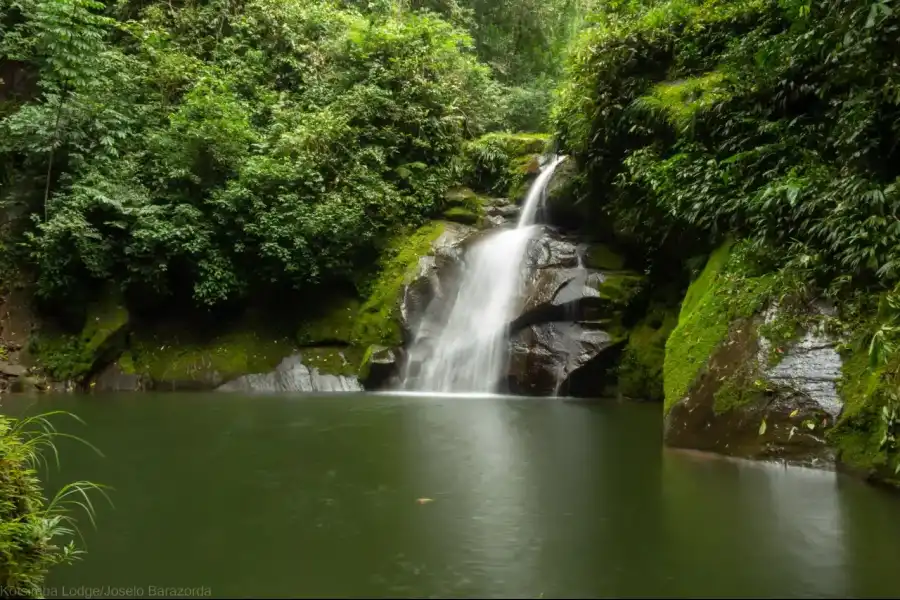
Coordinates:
[470,353]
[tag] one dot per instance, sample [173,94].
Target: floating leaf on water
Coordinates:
[762,427]
[795,412]
[810,425]
[425,500]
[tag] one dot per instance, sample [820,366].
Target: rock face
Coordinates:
[768,389]
[563,327]
[291,375]
[433,278]
[380,366]
[567,323]
[543,357]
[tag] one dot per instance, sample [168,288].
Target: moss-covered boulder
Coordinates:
[738,381]
[462,205]
[309,370]
[503,163]
[602,257]
[866,437]
[65,356]
[379,366]
[640,369]
[176,357]
[563,207]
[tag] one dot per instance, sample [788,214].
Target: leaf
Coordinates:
[425,500]
[810,425]
[793,431]
[762,427]
[795,412]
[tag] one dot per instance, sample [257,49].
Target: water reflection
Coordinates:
[759,527]
[302,496]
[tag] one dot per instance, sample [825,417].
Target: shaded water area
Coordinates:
[322,495]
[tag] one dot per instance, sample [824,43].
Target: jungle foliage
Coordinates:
[207,150]
[776,120]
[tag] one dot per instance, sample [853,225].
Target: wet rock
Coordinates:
[10,370]
[25,384]
[380,366]
[744,405]
[544,357]
[811,366]
[291,375]
[114,379]
[548,249]
[433,277]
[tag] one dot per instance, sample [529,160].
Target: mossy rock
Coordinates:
[603,258]
[859,436]
[719,296]
[620,287]
[333,361]
[378,365]
[332,323]
[350,322]
[67,357]
[640,373]
[466,216]
[562,206]
[185,361]
[378,321]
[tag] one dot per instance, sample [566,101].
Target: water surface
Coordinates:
[409,496]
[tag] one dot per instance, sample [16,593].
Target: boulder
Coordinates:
[544,357]
[742,407]
[114,379]
[379,366]
[750,378]
[10,370]
[432,278]
[292,375]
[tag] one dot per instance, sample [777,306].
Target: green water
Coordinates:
[298,496]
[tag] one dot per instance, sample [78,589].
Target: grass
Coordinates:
[30,525]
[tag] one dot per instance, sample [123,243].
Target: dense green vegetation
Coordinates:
[207,152]
[774,122]
[31,526]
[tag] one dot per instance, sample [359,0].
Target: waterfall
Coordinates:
[470,353]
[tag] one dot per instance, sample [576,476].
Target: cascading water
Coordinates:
[470,353]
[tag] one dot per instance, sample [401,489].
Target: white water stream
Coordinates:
[470,353]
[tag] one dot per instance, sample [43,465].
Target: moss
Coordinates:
[463,215]
[738,390]
[377,321]
[333,361]
[641,367]
[463,197]
[600,256]
[166,357]
[333,324]
[857,435]
[365,364]
[721,294]
[73,357]
[620,287]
